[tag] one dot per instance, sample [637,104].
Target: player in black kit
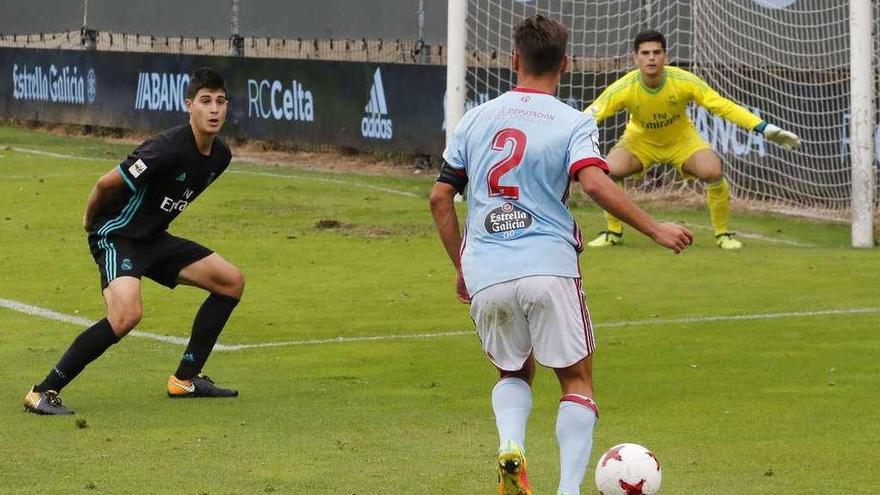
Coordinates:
[126,217]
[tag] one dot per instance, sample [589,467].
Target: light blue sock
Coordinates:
[574,432]
[512,403]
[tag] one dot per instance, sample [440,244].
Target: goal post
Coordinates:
[456,63]
[793,62]
[862,123]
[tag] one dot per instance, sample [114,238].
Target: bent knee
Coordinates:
[618,172]
[713,176]
[238,282]
[123,321]
[233,284]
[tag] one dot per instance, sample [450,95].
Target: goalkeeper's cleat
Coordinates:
[607,238]
[727,241]
[199,386]
[512,476]
[46,403]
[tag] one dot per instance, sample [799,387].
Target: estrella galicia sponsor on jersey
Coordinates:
[507,221]
[273,99]
[161,91]
[65,84]
[377,124]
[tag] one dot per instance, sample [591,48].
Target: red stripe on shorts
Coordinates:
[585,318]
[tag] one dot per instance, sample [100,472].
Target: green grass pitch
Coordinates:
[782,400]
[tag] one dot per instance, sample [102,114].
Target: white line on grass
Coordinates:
[52,154]
[240,172]
[331,181]
[752,235]
[78,320]
[85,322]
[746,235]
[40,176]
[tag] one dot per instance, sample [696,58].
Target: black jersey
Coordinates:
[164,175]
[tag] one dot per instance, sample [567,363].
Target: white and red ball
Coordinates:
[628,469]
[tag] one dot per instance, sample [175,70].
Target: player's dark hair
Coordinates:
[649,35]
[204,78]
[540,42]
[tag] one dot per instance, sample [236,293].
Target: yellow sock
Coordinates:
[614,224]
[718,200]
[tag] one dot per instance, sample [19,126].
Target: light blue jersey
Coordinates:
[519,151]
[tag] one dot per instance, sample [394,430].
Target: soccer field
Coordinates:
[752,372]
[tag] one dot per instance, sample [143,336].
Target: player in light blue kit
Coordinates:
[518,263]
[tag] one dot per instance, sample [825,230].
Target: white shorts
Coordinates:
[544,314]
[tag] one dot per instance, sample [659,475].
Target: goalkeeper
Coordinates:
[659,131]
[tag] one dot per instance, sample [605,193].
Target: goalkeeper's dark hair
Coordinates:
[649,35]
[204,78]
[540,42]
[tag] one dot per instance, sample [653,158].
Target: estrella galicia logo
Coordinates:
[126,265]
[91,85]
[64,84]
[507,221]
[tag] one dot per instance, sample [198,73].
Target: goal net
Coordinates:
[786,60]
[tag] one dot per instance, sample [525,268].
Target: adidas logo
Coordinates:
[181,177]
[374,125]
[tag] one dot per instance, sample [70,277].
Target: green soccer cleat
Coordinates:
[607,238]
[199,386]
[727,241]
[512,476]
[45,403]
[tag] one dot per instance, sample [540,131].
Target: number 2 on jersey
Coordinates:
[499,142]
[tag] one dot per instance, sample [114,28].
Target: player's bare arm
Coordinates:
[446,220]
[106,188]
[612,199]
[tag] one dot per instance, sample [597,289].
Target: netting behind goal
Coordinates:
[786,60]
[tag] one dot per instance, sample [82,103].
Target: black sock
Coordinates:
[207,326]
[85,348]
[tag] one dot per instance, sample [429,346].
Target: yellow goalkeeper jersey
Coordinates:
[657,115]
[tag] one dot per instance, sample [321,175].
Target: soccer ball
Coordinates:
[628,469]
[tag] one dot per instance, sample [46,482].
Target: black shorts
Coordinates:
[159,258]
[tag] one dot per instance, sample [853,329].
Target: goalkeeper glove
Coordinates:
[786,139]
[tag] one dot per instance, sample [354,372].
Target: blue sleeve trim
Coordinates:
[122,173]
[760,127]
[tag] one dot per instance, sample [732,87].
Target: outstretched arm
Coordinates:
[596,184]
[786,139]
[721,106]
[106,188]
[446,220]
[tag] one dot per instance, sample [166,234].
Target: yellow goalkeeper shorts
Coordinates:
[675,154]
